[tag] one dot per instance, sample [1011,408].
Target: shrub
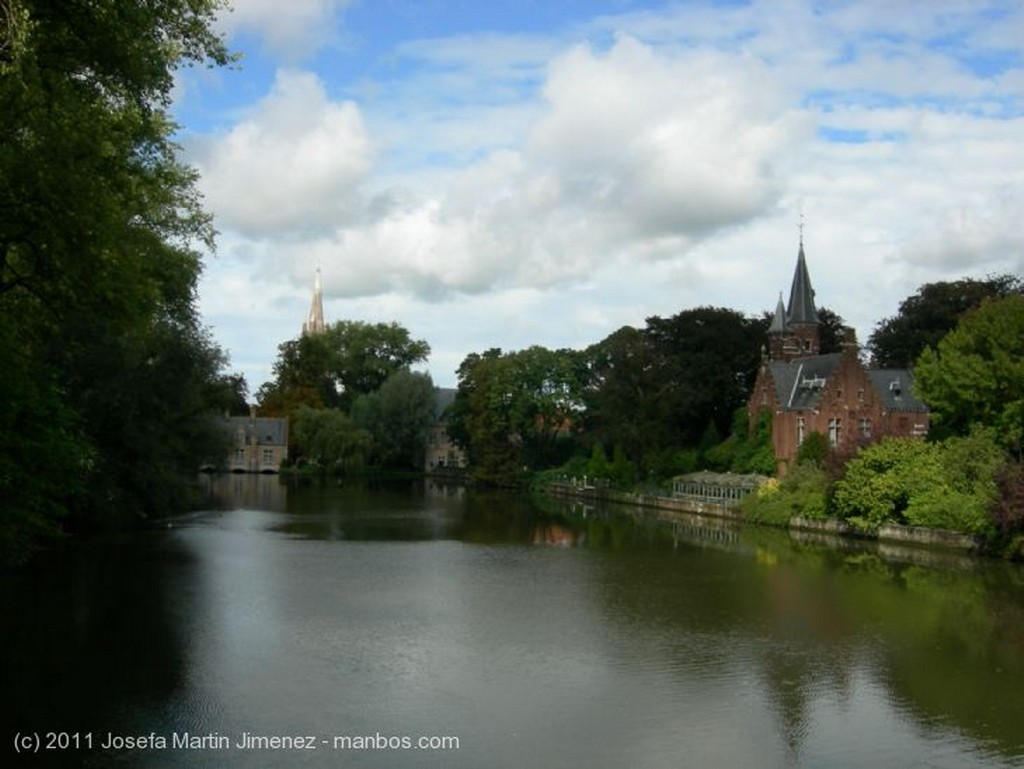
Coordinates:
[948,485]
[802,492]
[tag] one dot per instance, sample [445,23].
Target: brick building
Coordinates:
[833,394]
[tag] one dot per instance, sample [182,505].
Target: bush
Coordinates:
[803,492]
[948,485]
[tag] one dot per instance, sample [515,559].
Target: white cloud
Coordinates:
[291,30]
[294,163]
[532,189]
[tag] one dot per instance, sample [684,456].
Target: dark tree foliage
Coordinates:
[931,313]
[622,396]
[706,360]
[111,384]
[399,416]
[1008,510]
[831,332]
[332,369]
[518,409]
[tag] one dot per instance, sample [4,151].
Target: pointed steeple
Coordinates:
[795,330]
[801,295]
[778,325]
[315,322]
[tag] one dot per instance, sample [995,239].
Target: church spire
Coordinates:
[801,295]
[315,322]
[794,330]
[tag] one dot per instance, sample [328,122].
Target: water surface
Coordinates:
[562,637]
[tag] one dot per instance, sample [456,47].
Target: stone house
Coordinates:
[442,454]
[258,444]
[833,394]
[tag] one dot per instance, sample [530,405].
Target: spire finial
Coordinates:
[800,227]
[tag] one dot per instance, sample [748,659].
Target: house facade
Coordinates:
[258,444]
[442,454]
[833,394]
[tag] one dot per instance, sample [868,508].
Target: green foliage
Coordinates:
[111,384]
[813,450]
[1008,510]
[597,467]
[746,450]
[656,390]
[329,441]
[517,409]
[399,416]
[802,492]
[621,471]
[333,369]
[880,482]
[976,373]
[948,485]
[931,313]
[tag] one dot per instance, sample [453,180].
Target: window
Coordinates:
[860,395]
[865,427]
[835,426]
[239,455]
[268,456]
[799,431]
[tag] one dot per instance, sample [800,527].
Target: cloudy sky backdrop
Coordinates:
[546,171]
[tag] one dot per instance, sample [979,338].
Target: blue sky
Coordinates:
[509,174]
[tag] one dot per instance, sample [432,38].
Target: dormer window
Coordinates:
[895,388]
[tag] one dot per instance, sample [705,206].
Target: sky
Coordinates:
[544,172]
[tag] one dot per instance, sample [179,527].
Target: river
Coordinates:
[416,625]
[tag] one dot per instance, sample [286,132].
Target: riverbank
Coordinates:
[888,534]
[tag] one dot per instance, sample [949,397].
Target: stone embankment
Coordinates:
[889,533]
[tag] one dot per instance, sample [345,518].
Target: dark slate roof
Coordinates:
[443,397]
[779,320]
[262,429]
[798,383]
[801,295]
[895,387]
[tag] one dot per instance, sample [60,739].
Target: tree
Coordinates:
[975,375]
[931,313]
[518,408]
[332,369]
[327,439]
[113,378]
[622,391]
[948,485]
[831,331]
[705,362]
[399,416]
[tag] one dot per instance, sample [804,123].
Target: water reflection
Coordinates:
[556,635]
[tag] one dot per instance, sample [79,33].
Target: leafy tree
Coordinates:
[332,369]
[100,234]
[831,331]
[597,467]
[814,449]
[481,419]
[948,485]
[517,408]
[622,394]
[329,440]
[976,373]
[705,361]
[399,416]
[931,313]
[883,479]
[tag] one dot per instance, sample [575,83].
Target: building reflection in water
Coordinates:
[245,491]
